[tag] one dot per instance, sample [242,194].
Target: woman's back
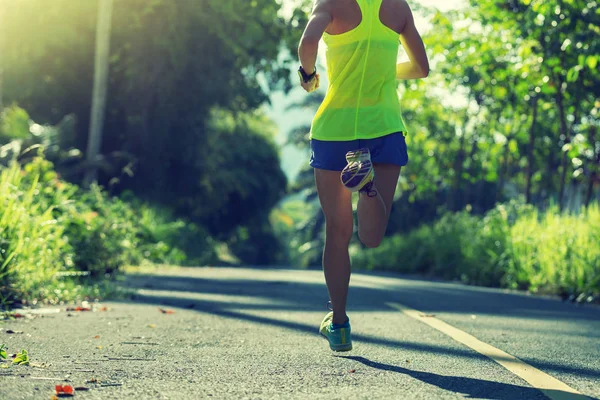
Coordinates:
[362,49]
[346,15]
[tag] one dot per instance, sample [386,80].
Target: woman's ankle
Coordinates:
[340,320]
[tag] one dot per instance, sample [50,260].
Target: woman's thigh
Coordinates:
[386,180]
[336,202]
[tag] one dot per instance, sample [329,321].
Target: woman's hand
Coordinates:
[311,85]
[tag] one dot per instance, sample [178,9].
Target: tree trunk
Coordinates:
[564,131]
[458,169]
[471,173]
[593,168]
[100,88]
[530,148]
[503,169]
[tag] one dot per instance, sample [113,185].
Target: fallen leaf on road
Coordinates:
[152,326]
[62,390]
[21,358]
[352,371]
[53,397]
[79,308]
[164,311]
[99,347]
[97,337]
[93,380]
[103,308]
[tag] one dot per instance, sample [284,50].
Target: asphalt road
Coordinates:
[247,333]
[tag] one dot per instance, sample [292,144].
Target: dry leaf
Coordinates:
[63,390]
[164,311]
[352,371]
[152,326]
[78,308]
[97,337]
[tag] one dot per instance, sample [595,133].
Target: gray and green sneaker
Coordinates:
[359,174]
[339,336]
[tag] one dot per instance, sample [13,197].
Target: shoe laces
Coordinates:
[368,190]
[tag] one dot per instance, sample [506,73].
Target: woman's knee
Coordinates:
[339,230]
[371,241]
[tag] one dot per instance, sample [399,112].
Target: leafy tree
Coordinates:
[175,67]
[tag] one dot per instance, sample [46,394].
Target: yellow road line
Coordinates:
[551,387]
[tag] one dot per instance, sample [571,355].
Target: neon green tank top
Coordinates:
[362,99]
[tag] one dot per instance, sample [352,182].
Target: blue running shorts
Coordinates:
[331,156]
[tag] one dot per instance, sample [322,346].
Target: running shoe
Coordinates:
[339,336]
[359,172]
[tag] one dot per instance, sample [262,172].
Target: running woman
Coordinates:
[357,135]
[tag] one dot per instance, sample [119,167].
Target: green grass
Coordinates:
[513,246]
[32,243]
[60,243]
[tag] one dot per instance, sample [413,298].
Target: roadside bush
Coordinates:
[512,246]
[51,232]
[555,252]
[33,245]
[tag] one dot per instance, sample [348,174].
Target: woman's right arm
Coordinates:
[418,66]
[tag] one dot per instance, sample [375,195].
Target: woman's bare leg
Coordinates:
[336,202]
[374,212]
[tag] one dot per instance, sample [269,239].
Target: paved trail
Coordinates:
[241,333]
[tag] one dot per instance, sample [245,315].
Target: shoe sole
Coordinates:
[352,173]
[338,347]
[322,331]
[356,154]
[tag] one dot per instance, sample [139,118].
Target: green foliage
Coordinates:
[298,224]
[242,179]
[3,354]
[554,252]
[512,246]
[171,65]
[165,239]
[14,124]
[22,358]
[51,232]
[102,232]
[32,242]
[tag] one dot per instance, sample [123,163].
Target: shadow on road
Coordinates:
[195,293]
[470,387]
[419,295]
